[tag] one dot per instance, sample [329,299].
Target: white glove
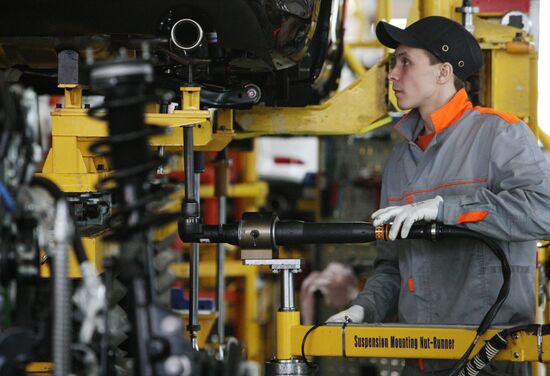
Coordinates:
[406,215]
[354,314]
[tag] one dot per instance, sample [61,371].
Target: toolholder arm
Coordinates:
[266,231]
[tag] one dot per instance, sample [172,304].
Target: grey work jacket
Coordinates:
[494,179]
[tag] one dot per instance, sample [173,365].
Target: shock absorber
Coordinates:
[157,335]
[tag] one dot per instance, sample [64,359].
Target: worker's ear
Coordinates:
[445,73]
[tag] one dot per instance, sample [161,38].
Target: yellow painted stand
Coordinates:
[40,369]
[95,250]
[74,168]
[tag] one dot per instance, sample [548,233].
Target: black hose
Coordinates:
[456,232]
[496,344]
[308,363]
[58,194]
[288,232]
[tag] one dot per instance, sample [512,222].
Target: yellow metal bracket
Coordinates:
[347,112]
[492,35]
[74,168]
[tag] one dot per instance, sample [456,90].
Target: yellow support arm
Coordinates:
[400,341]
[347,112]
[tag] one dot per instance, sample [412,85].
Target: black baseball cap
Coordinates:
[446,39]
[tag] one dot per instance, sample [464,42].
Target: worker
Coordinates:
[459,165]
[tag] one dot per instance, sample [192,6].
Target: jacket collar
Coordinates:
[411,124]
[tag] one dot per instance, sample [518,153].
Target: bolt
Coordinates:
[516,355]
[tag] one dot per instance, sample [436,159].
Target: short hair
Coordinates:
[458,83]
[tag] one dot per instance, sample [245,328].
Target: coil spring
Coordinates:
[134,215]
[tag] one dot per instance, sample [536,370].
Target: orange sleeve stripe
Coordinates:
[509,118]
[410,284]
[472,216]
[421,364]
[435,188]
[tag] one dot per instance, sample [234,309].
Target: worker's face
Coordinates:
[414,78]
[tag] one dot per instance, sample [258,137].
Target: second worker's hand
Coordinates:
[403,217]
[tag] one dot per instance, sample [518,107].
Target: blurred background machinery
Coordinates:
[234,76]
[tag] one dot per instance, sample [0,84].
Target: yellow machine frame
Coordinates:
[385,340]
[399,341]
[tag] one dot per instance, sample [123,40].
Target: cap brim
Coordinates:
[392,36]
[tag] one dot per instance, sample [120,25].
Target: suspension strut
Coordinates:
[157,335]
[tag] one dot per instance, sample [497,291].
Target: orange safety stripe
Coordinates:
[410,283]
[436,188]
[509,118]
[449,113]
[409,200]
[445,116]
[473,216]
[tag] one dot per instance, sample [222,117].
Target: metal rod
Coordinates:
[220,191]
[287,291]
[62,294]
[191,194]
[188,163]
[194,295]
[220,279]
[194,275]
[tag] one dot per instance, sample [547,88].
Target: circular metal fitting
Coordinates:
[186,34]
[461,63]
[253,92]
[287,368]
[433,231]
[445,48]
[257,231]
[379,233]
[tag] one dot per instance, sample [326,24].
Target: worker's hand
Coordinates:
[354,314]
[406,215]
